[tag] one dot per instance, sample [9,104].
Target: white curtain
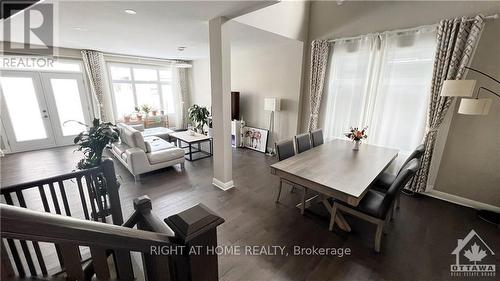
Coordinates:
[382,81]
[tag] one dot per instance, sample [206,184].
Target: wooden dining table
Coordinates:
[335,170]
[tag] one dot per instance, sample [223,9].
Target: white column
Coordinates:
[220,78]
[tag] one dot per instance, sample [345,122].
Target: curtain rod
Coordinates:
[490,17]
[144,58]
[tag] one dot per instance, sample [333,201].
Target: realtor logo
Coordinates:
[472,256]
[32,29]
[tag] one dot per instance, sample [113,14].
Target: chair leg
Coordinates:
[333,213]
[378,236]
[279,191]
[303,207]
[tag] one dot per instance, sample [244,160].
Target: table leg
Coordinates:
[339,218]
[190,153]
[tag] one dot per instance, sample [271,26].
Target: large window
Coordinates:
[381,81]
[137,85]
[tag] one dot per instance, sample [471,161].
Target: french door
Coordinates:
[42,110]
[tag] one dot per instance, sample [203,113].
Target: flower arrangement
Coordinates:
[356,135]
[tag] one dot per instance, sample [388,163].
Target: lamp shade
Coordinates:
[272,104]
[474,106]
[458,88]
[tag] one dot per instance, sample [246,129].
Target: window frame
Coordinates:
[134,82]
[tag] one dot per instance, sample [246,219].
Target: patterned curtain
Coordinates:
[319,61]
[181,80]
[457,40]
[96,72]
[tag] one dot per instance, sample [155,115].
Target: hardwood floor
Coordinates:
[417,247]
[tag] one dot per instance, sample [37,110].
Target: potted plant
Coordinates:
[199,116]
[138,113]
[356,135]
[146,108]
[92,143]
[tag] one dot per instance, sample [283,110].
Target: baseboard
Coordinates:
[461,201]
[223,185]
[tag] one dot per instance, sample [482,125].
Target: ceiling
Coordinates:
[156,30]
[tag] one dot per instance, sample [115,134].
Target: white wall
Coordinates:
[273,71]
[200,83]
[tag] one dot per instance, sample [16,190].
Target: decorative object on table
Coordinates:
[154,112]
[255,138]
[126,118]
[272,105]
[92,143]
[356,135]
[472,106]
[199,116]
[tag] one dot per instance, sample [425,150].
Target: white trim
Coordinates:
[223,185]
[461,200]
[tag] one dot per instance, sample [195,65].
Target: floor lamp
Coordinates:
[272,105]
[472,105]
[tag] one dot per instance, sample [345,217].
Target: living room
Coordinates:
[199,103]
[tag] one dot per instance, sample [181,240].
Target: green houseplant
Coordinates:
[93,141]
[199,116]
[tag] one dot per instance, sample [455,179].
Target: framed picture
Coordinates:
[255,138]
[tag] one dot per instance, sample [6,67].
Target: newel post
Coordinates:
[112,186]
[196,227]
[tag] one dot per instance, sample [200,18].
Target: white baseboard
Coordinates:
[461,201]
[223,185]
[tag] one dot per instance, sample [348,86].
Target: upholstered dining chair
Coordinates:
[317,137]
[285,150]
[376,207]
[302,142]
[385,180]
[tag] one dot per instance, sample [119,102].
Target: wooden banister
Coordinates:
[21,223]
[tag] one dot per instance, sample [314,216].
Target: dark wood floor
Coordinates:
[418,246]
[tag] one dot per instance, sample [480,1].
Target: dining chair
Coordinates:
[317,137]
[375,207]
[285,150]
[302,142]
[385,180]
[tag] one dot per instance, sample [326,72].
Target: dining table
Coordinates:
[335,171]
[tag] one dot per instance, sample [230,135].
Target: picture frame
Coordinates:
[255,138]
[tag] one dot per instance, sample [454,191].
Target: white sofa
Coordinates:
[141,154]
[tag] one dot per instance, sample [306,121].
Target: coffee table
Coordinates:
[190,140]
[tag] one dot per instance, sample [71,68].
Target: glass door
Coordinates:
[24,111]
[65,94]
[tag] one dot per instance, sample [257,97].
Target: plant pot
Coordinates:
[357,143]
[139,117]
[126,119]
[155,113]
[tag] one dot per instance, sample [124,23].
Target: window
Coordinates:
[381,81]
[136,85]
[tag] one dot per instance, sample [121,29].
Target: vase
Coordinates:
[357,143]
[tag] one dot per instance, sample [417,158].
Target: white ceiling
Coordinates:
[157,30]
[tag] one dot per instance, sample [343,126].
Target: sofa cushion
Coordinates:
[155,143]
[119,148]
[131,137]
[165,155]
